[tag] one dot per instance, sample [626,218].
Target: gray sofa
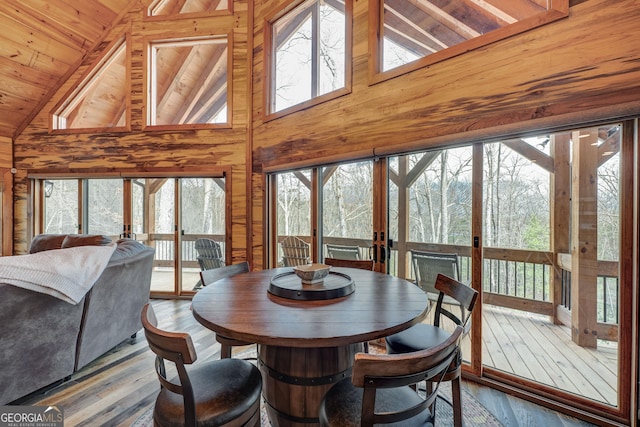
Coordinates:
[45,339]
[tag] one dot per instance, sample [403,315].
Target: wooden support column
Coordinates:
[584,234]
[560,212]
[403,216]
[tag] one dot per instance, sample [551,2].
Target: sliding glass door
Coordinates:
[346,211]
[538,225]
[170,214]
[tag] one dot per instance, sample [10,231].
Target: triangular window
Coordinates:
[101,99]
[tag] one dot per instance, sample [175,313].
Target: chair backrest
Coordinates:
[209,254]
[375,371]
[210,276]
[295,251]
[343,252]
[176,347]
[427,266]
[363,264]
[465,295]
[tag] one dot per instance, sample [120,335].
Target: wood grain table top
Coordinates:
[240,307]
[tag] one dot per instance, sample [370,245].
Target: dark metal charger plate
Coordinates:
[289,285]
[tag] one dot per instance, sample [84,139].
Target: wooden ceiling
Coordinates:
[44,41]
[41,43]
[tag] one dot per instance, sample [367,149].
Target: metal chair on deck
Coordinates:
[427,266]
[343,251]
[295,251]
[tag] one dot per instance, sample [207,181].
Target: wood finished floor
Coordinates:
[117,388]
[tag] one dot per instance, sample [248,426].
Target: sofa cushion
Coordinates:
[73,240]
[46,242]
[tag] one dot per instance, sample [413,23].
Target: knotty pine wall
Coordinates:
[190,151]
[574,71]
[581,68]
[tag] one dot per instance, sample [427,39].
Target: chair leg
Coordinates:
[456,396]
[225,351]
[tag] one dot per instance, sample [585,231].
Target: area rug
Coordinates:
[473,412]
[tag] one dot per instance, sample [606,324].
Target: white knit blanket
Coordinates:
[67,274]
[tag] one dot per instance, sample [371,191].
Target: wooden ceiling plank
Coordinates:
[68,19]
[494,11]
[29,42]
[415,27]
[10,70]
[18,16]
[444,18]
[213,64]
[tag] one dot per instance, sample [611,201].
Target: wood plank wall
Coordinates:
[137,150]
[575,70]
[578,69]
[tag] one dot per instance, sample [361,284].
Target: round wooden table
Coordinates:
[304,347]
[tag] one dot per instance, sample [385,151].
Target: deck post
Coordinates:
[560,214]
[584,235]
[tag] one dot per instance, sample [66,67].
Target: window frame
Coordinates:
[150,71]
[557,9]
[269,62]
[86,82]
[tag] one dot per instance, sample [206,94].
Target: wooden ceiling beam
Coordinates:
[445,19]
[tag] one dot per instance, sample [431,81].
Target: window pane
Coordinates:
[293,214]
[416,29]
[100,101]
[189,82]
[61,206]
[105,207]
[309,48]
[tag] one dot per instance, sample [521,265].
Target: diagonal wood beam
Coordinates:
[531,153]
[609,147]
[414,26]
[493,10]
[419,167]
[444,18]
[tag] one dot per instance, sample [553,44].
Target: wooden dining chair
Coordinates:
[425,336]
[343,251]
[210,276]
[362,264]
[382,388]
[295,251]
[215,392]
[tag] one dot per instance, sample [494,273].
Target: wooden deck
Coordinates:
[530,346]
[524,344]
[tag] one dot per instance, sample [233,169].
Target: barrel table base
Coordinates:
[294,380]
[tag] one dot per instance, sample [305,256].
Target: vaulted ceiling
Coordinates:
[41,43]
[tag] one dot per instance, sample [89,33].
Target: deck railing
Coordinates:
[513,278]
[165,248]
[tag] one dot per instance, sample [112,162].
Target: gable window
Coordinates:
[413,33]
[101,99]
[309,55]
[189,83]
